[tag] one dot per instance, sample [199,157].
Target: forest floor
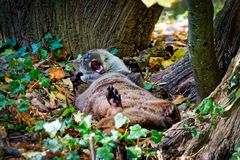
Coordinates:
[38,119]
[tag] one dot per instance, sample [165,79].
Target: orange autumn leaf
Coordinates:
[33,85]
[179,100]
[56,73]
[121,130]
[63,55]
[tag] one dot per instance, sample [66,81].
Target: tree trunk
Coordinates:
[200,42]
[179,78]
[227,42]
[214,143]
[82,24]
[226,33]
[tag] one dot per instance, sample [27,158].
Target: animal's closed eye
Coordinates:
[87,57]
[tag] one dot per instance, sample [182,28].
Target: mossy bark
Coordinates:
[82,24]
[203,59]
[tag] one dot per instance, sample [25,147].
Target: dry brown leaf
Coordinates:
[155,62]
[60,96]
[68,93]
[179,100]
[35,59]
[63,55]
[33,85]
[3,133]
[56,74]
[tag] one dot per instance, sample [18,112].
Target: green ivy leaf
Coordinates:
[34,74]
[185,126]
[73,156]
[84,141]
[200,118]
[48,36]
[22,51]
[196,133]
[10,126]
[104,153]
[156,136]
[3,101]
[68,111]
[52,144]
[69,141]
[66,123]
[88,121]
[148,86]
[57,53]
[39,126]
[115,134]
[26,78]
[23,106]
[214,124]
[28,63]
[52,127]
[45,82]
[134,153]
[69,68]
[35,47]
[235,156]
[85,125]
[234,81]
[44,54]
[16,87]
[136,132]
[114,51]
[219,110]
[106,140]
[11,43]
[207,106]
[120,120]
[10,102]
[1,74]
[237,147]
[56,44]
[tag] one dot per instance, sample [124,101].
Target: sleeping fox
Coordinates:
[112,89]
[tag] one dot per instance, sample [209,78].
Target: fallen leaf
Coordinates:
[179,100]
[68,93]
[155,62]
[60,96]
[7,79]
[34,155]
[41,107]
[178,54]
[33,85]
[63,55]
[52,127]
[167,63]
[56,73]
[68,82]
[3,133]
[164,3]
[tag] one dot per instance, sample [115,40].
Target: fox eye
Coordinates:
[87,57]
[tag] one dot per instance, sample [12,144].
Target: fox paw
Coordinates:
[113,97]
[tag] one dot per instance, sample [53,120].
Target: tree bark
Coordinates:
[200,42]
[214,143]
[179,78]
[226,33]
[82,24]
[227,42]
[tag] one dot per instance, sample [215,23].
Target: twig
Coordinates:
[92,149]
